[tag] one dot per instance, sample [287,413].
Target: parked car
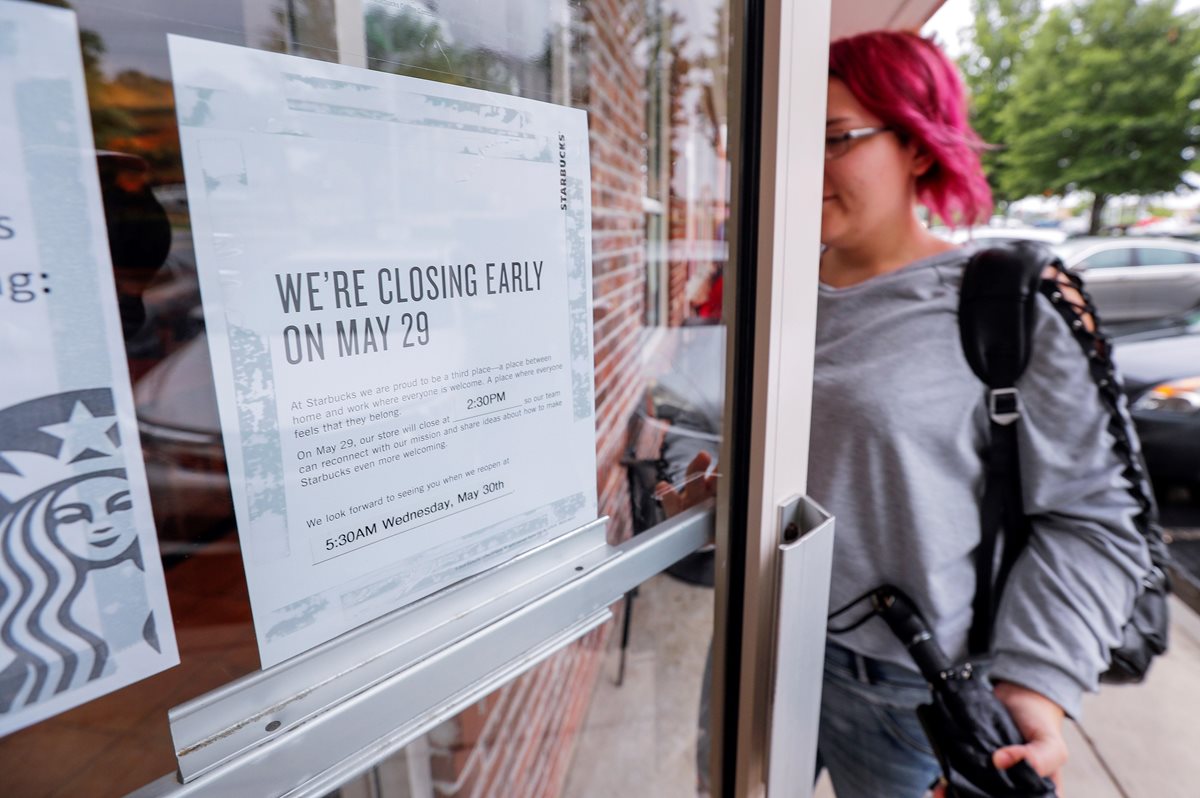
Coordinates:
[1162,381]
[1136,279]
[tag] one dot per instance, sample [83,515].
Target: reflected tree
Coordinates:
[420,43]
[304,27]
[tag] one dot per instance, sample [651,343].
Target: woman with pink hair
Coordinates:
[900,431]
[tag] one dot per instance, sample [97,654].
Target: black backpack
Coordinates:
[996,317]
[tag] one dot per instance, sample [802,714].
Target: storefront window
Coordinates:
[652,75]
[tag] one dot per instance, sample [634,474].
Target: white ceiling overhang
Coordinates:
[856,16]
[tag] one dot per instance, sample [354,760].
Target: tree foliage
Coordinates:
[1105,97]
[1000,35]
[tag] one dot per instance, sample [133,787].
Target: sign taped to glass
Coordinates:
[396,276]
[83,603]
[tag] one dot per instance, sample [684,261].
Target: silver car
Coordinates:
[1137,279]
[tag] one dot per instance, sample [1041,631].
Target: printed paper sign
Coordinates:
[83,605]
[396,281]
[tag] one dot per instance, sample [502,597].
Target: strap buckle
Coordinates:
[1004,406]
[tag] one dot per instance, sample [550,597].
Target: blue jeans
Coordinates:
[870,739]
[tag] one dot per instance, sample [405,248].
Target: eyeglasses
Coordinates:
[839,145]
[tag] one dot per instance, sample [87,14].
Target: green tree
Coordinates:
[1103,101]
[999,37]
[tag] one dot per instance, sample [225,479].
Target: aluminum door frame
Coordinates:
[776,235]
[309,724]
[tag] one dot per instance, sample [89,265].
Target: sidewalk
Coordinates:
[1144,741]
[1133,742]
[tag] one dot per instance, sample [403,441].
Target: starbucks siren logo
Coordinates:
[66,516]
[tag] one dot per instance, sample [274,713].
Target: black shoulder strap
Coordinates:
[996,318]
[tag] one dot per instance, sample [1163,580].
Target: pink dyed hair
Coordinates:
[910,84]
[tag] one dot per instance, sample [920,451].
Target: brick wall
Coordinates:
[617,124]
[516,742]
[520,740]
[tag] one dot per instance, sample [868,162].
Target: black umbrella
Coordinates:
[965,722]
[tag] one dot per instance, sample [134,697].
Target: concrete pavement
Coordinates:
[639,739]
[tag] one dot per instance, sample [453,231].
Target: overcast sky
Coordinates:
[955,15]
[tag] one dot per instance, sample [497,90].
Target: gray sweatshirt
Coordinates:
[898,429]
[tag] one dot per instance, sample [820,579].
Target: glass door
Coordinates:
[631,655]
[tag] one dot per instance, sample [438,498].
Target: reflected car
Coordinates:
[1137,279]
[1162,381]
[184,453]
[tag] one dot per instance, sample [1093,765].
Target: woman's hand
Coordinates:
[697,486]
[1041,723]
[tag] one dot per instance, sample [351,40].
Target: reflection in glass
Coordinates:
[652,75]
[506,46]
